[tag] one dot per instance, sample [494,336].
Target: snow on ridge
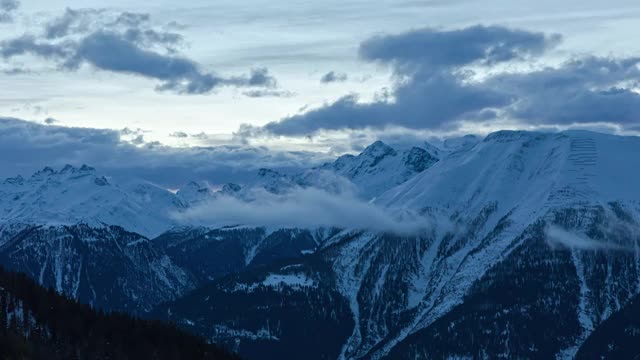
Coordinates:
[511,166]
[277,281]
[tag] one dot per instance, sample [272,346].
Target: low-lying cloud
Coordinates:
[304,208]
[32,146]
[557,236]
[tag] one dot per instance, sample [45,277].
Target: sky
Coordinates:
[323,78]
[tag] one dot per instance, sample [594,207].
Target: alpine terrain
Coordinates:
[518,245]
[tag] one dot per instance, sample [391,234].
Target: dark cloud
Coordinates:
[28,44]
[261,77]
[33,146]
[423,102]
[580,91]
[435,86]
[125,43]
[138,140]
[50,121]
[7,10]
[433,49]
[71,22]
[332,77]
[113,52]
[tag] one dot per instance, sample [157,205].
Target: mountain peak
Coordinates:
[68,168]
[14,180]
[507,135]
[46,171]
[463,142]
[230,188]
[195,191]
[87,168]
[418,159]
[264,173]
[378,149]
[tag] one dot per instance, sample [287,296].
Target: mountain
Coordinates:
[528,243]
[40,324]
[378,168]
[287,309]
[88,237]
[532,243]
[105,266]
[212,253]
[73,195]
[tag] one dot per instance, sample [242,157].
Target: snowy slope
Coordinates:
[73,195]
[486,199]
[489,205]
[378,168]
[517,168]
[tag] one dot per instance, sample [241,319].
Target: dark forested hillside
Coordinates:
[617,338]
[39,324]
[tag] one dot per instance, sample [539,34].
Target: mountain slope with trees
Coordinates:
[36,323]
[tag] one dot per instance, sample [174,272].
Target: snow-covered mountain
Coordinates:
[102,265]
[534,241]
[65,227]
[82,195]
[377,169]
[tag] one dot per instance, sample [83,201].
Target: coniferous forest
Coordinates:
[36,323]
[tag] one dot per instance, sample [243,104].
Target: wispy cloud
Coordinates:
[333,77]
[303,208]
[557,236]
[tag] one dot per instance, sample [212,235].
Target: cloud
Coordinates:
[125,43]
[558,236]
[430,49]
[179,134]
[33,146]
[261,77]
[268,93]
[71,22]
[437,87]
[50,121]
[305,208]
[584,90]
[16,71]
[114,52]
[28,44]
[7,10]
[428,92]
[332,77]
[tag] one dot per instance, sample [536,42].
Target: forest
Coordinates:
[38,323]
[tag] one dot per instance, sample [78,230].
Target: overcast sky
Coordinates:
[325,75]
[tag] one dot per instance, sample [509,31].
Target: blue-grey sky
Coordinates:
[327,76]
